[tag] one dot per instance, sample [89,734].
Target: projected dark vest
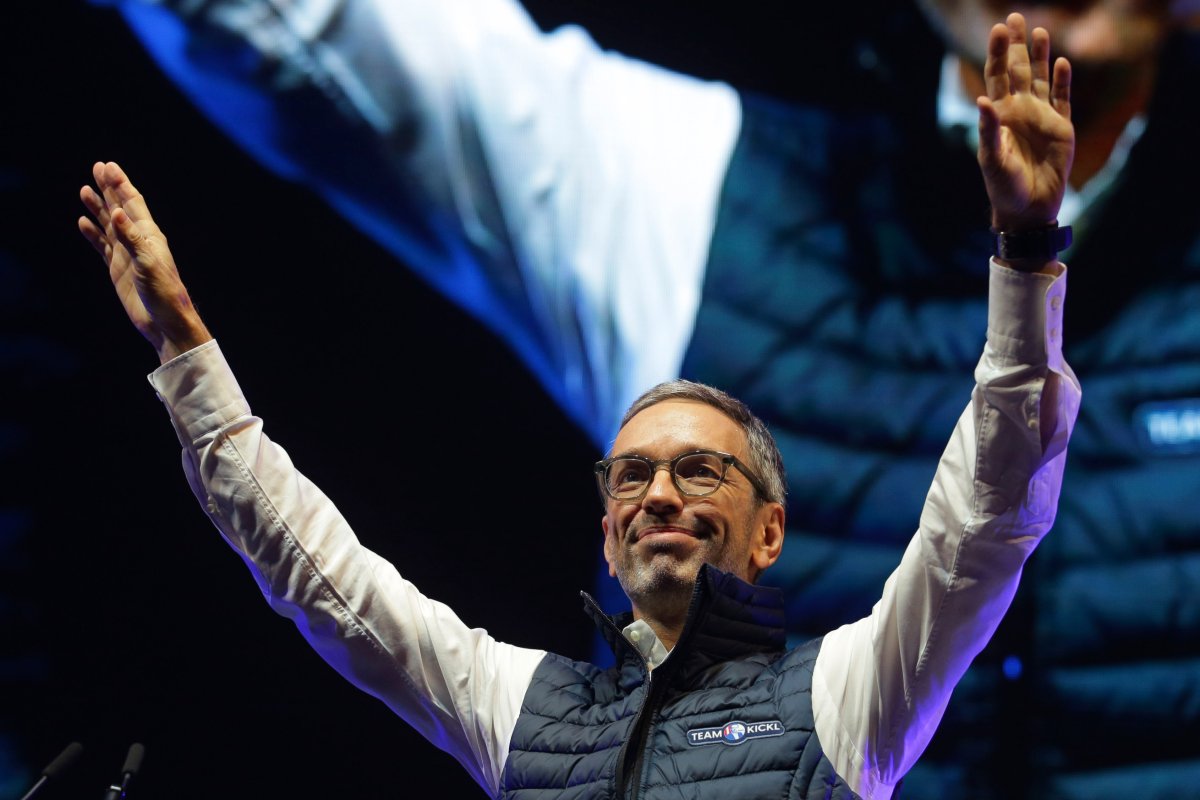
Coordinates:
[845,302]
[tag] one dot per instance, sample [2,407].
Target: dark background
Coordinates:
[126,617]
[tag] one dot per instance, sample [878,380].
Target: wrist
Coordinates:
[1021,222]
[1030,248]
[190,335]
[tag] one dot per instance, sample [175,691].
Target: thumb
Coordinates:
[989,135]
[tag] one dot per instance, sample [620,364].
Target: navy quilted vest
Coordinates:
[585,732]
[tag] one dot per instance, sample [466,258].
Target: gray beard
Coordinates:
[658,593]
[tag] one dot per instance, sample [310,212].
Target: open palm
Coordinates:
[1026,140]
[140,264]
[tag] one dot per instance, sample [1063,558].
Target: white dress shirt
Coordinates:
[880,685]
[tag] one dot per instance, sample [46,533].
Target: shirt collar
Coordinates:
[646,642]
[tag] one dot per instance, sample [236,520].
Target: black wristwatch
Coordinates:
[1032,246]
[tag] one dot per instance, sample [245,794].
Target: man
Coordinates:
[692,480]
[748,245]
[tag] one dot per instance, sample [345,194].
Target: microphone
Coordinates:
[133,763]
[59,765]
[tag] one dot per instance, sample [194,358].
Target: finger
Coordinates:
[131,238]
[98,177]
[1041,63]
[989,136]
[95,205]
[995,69]
[1060,92]
[93,234]
[1019,71]
[127,233]
[119,191]
[105,187]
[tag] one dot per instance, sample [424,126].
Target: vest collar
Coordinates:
[727,618]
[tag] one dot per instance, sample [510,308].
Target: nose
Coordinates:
[1095,36]
[662,498]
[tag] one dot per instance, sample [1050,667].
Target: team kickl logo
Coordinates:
[735,733]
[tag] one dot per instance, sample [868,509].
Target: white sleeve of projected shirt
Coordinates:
[564,194]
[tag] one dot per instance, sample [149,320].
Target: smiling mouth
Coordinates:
[663,531]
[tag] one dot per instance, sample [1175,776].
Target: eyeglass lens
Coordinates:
[695,474]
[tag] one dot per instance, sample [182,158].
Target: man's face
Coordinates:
[1112,44]
[655,546]
[1085,31]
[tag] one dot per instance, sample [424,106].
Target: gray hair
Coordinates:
[764,456]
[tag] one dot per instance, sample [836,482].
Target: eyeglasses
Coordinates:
[698,473]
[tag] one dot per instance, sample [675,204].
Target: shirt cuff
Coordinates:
[200,392]
[1025,312]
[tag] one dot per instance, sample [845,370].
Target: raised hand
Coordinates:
[139,263]
[1026,140]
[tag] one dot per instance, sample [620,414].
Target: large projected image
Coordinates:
[445,245]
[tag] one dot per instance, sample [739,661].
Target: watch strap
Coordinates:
[1038,244]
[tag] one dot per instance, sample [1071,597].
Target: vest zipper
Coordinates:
[641,724]
[637,739]
[638,731]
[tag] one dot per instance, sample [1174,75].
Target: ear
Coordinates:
[610,547]
[770,536]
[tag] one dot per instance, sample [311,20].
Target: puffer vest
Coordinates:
[845,302]
[727,715]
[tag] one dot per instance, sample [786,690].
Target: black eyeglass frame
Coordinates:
[727,460]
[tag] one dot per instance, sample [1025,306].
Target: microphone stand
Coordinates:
[65,759]
[133,763]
